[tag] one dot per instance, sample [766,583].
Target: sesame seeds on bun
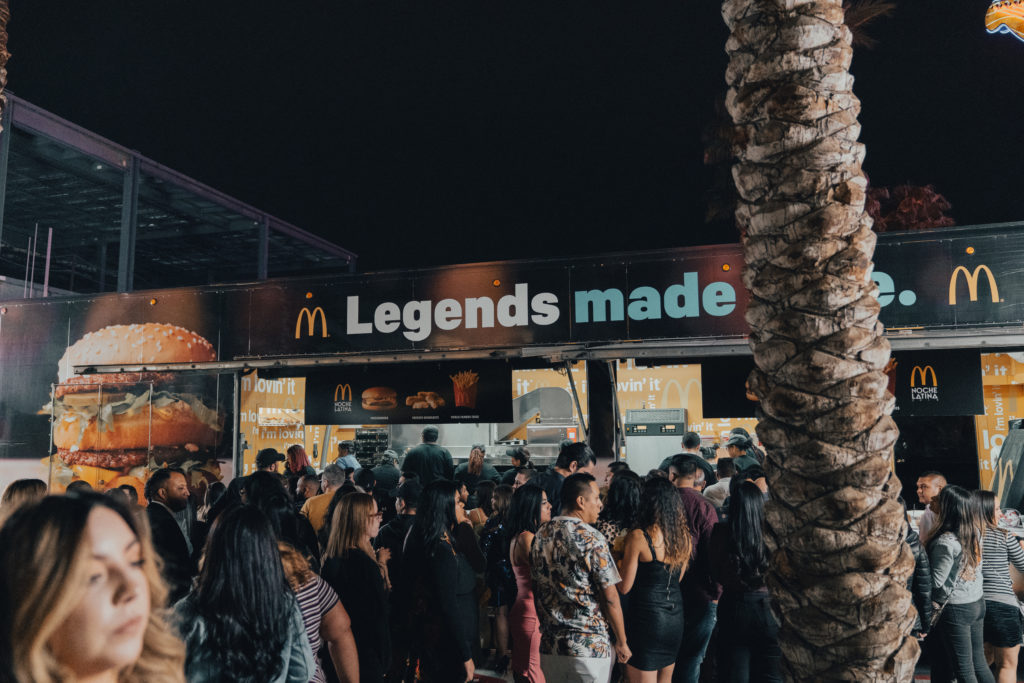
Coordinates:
[136,344]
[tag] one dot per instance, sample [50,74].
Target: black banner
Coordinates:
[937,383]
[441,392]
[724,388]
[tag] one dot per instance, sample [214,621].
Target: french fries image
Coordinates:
[465,384]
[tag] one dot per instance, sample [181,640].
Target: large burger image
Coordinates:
[118,421]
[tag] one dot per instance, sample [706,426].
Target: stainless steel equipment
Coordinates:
[652,436]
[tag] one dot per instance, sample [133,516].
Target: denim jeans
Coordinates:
[698,622]
[961,651]
[748,645]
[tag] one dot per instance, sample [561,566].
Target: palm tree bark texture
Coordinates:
[834,526]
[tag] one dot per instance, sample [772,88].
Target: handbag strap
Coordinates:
[957,582]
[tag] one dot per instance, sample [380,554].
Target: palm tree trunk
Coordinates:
[834,525]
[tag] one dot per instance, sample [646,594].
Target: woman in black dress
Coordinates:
[749,634]
[438,569]
[359,576]
[654,560]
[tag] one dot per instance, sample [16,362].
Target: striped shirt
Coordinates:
[316,599]
[998,550]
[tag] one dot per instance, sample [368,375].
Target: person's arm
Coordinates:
[612,608]
[449,464]
[520,548]
[465,541]
[301,664]
[943,558]
[630,560]
[336,632]
[1015,552]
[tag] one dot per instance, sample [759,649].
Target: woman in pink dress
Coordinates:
[530,508]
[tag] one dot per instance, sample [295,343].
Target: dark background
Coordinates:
[439,132]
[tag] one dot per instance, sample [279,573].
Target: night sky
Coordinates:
[421,132]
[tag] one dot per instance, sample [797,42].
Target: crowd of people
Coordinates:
[417,570]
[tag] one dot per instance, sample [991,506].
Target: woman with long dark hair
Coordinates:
[442,580]
[958,588]
[655,557]
[326,621]
[530,508]
[289,526]
[241,622]
[359,576]
[1003,630]
[749,645]
[620,510]
[81,596]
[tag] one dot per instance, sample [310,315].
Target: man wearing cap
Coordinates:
[267,459]
[428,460]
[387,472]
[345,456]
[740,448]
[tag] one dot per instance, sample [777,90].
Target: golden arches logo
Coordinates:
[343,390]
[972,283]
[311,317]
[922,373]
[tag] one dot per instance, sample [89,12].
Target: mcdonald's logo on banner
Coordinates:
[972,283]
[311,317]
[920,388]
[922,373]
[343,390]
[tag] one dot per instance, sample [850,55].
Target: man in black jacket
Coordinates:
[167,493]
[428,460]
[392,536]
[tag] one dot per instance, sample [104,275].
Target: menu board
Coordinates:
[414,393]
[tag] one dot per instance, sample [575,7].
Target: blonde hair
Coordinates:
[348,526]
[19,492]
[44,561]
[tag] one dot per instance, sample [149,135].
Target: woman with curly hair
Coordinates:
[241,622]
[655,557]
[81,596]
[739,561]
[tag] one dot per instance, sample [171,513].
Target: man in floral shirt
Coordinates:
[574,578]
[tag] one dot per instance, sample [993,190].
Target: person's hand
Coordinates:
[470,669]
[622,652]
[383,555]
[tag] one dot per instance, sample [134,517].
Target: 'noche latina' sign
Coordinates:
[937,383]
[457,391]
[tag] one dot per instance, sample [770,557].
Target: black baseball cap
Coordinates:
[409,491]
[267,457]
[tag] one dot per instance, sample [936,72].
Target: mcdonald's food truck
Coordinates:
[615,350]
